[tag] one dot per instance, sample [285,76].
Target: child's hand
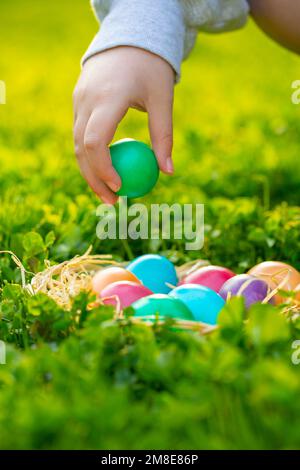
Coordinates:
[110,83]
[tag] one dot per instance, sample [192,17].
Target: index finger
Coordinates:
[99,132]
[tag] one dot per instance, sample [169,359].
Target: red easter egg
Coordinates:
[209,276]
[107,276]
[124,293]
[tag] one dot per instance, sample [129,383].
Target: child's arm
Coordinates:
[131,63]
[280,19]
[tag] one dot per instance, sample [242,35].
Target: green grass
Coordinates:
[94,384]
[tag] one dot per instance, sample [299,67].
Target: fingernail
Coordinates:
[113,186]
[169,165]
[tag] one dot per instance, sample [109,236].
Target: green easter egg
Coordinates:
[163,306]
[136,165]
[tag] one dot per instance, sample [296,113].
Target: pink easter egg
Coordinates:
[105,277]
[123,293]
[209,276]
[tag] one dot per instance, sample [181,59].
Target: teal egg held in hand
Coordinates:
[155,272]
[163,306]
[204,303]
[136,165]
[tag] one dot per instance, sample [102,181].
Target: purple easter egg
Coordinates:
[252,289]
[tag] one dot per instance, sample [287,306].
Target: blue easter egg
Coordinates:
[204,303]
[155,272]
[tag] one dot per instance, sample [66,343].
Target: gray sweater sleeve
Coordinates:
[167,28]
[154,25]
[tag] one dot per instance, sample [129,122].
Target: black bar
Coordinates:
[136,459]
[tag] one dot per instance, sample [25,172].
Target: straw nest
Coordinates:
[64,281]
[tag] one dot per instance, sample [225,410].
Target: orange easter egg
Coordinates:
[278,274]
[107,276]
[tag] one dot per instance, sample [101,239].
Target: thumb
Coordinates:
[161,133]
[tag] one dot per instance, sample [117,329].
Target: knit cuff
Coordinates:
[156,26]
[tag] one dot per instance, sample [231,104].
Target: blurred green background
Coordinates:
[236,149]
[236,136]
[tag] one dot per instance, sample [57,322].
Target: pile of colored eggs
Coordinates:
[150,285]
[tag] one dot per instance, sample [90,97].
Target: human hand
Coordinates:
[111,82]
